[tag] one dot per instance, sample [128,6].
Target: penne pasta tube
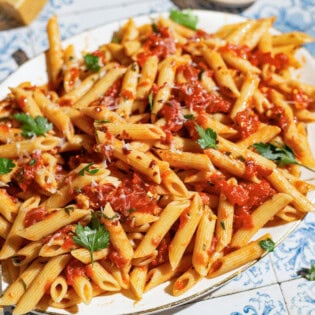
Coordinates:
[186,281]
[58,289]
[102,278]
[38,286]
[53,222]
[138,278]
[99,88]
[27,147]
[260,217]
[159,228]
[221,72]
[16,290]
[189,221]
[55,52]
[54,114]
[238,258]
[27,102]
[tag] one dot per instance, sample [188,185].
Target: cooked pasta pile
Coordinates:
[156,157]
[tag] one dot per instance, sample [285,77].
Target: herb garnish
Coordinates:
[222,225]
[93,237]
[189,117]
[6,166]
[102,121]
[92,62]
[308,273]
[282,155]
[31,127]
[150,100]
[268,244]
[185,18]
[32,162]
[207,138]
[87,169]
[155,28]
[68,210]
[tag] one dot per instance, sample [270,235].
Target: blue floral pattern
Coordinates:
[296,251]
[304,301]
[263,304]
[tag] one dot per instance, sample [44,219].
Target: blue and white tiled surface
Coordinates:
[270,287]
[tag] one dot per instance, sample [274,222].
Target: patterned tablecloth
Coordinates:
[270,287]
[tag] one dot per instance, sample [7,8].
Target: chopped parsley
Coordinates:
[31,127]
[68,210]
[88,169]
[189,117]
[222,225]
[268,245]
[116,38]
[93,237]
[150,100]
[155,28]
[92,62]
[6,166]
[102,121]
[308,273]
[207,138]
[282,155]
[32,162]
[186,18]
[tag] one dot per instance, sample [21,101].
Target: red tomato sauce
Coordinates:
[252,169]
[280,61]
[246,197]
[130,195]
[184,218]
[160,44]
[65,234]
[172,114]
[277,116]
[241,51]
[300,99]
[118,260]
[162,249]
[25,174]
[246,122]
[35,215]
[75,73]
[22,101]
[74,269]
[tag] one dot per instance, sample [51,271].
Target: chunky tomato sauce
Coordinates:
[160,44]
[133,194]
[65,234]
[246,196]
[258,58]
[241,51]
[118,260]
[26,173]
[246,122]
[277,116]
[162,249]
[75,268]
[173,117]
[300,99]
[35,215]
[252,169]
